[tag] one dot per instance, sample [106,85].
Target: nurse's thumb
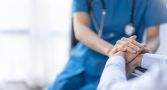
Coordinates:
[133,37]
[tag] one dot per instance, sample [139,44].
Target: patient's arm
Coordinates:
[114,77]
[149,60]
[154,79]
[114,72]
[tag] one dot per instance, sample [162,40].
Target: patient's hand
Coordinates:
[130,56]
[134,62]
[130,67]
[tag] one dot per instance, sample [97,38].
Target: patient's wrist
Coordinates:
[138,60]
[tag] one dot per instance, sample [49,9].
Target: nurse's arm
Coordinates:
[84,34]
[153,40]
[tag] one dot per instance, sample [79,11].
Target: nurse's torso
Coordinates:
[119,13]
[117,17]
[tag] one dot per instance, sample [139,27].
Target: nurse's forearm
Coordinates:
[153,39]
[91,40]
[84,34]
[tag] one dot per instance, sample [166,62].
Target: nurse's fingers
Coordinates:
[116,49]
[134,47]
[133,37]
[147,50]
[129,47]
[134,44]
[120,45]
[130,50]
[123,46]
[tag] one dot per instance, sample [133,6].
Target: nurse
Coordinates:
[98,25]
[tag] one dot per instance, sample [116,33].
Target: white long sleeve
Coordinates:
[149,60]
[114,72]
[113,77]
[154,79]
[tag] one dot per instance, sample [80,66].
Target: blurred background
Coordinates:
[35,42]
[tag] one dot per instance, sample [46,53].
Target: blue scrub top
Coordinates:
[147,13]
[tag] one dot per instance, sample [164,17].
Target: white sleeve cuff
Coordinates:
[150,59]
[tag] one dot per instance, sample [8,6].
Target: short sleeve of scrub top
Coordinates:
[156,13]
[80,6]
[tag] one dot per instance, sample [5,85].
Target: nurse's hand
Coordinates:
[115,52]
[131,50]
[128,44]
[132,46]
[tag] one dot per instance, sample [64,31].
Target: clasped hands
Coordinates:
[131,50]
